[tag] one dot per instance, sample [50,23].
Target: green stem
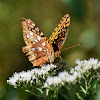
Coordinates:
[86,86]
[83,89]
[79,96]
[90,81]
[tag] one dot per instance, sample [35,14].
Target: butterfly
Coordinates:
[39,49]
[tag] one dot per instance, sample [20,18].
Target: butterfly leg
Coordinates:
[60,66]
[57,54]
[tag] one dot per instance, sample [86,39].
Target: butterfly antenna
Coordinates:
[72,46]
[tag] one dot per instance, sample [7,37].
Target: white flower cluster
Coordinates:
[63,77]
[77,72]
[30,75]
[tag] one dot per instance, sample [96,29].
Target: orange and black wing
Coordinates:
[60,33]
[38,48]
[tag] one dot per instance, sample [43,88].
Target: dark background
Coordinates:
[84,28]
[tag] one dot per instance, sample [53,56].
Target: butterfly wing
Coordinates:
[60,33]
[38,48]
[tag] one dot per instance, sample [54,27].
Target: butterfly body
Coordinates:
[39,48]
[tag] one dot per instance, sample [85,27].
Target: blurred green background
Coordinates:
[84,28]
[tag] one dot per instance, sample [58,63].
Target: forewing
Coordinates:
[29,25]
[38,48]
[60,33]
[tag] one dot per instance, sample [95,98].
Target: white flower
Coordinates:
[46,84]
[49,81]
[75,73]
[72,76]
[30,75]
[12,80]
[52,81]
[72,70]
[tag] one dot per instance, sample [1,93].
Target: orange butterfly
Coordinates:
[39,48]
